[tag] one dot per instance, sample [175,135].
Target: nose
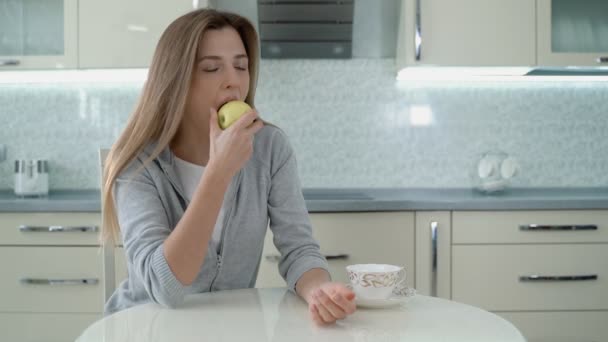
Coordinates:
[231,78]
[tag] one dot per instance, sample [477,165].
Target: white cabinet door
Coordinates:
[352,238]
[531,277]
[38,34]
[66,229]
[560,326]
[433,253]
[572,33]
[467,33]
[124,34]
[48,327]
[51,279]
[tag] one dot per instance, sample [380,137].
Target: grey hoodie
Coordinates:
[151,201]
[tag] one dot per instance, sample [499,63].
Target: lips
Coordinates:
[225,100]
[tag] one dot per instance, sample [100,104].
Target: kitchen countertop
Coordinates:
[360,199]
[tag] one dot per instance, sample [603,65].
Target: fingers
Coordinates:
[316,316]
[214,126]
[328,304]
[257,125]
[246,120]
[324,314]
[344,300]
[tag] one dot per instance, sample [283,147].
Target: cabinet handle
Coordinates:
[273,258]
[535,277]
[277,258]
[557,227]
[602,59]
[418,32]
[9,62]
[337,257]
[46,281]
[55,229]
[434,226]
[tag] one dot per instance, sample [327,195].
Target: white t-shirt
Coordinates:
[190,175]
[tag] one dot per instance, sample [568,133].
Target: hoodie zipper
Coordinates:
[225,225]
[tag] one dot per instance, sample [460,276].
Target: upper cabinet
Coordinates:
[37,34]
[124,34]
[572,32]
[467,33]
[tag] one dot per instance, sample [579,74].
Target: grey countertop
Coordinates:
[372,199]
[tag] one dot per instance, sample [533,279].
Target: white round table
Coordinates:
[279,315]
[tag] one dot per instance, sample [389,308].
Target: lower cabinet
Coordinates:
[51,287]
[352,238]
[544,271]
[48,327]
[560,326]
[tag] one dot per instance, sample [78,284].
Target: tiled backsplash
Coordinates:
[351,124]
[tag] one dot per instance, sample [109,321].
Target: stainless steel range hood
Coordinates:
[306,29]
[321,28]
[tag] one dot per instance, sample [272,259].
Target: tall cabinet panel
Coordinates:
[467,33]
[124,34]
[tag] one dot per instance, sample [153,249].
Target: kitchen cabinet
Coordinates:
[433,253]
[543,270]
[124,34]
[38,34]
[345,238]
[52,276]
[352,238]
[572,33]
[467,33]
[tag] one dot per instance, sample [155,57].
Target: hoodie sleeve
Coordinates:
[144,227]
[289,220]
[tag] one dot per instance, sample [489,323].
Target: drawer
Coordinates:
[78,228]
[71,264]
[571,326]
[352,238]
[472,227]
[488,276]
[35,327]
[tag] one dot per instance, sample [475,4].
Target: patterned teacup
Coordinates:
[375,281]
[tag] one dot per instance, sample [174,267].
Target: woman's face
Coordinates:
[221,74]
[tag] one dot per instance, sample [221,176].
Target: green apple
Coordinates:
[230,112]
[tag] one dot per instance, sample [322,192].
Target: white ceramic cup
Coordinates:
[375,281]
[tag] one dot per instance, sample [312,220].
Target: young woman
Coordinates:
[192,202]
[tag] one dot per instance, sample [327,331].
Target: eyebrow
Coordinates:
[241,56]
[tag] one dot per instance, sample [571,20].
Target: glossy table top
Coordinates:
[279,315]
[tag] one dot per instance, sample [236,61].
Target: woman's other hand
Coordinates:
[331,302]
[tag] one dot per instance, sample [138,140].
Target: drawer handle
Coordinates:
[536,277]
[418,32]
[434,226]
[9,62]
[277,258]
[557,227]
[45,281]
[56,229]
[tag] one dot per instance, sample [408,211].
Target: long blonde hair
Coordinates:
[162,103]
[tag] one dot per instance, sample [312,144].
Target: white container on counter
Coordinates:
[31,177]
